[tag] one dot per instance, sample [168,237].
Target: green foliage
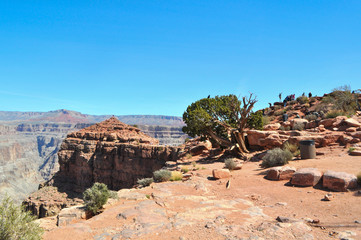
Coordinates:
[276,157]
[293,102]
[188,156]
[162,175]
[230,163]
[292,148]
[200,115]
[96,196]
[302,99]
[342,99]
[265,120]
[334,113]
[298,126]
[186,140]
[184,169]
[16,223]
[135,125]
[176,176]
[279,112]
[144,182]
[311,117]
[351,149]
[255,120]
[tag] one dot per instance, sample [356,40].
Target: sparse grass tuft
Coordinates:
[144,182]
[298,126]
[276,157]
[230,163]
[162,175]
[311,117]
[188,156]
[334,113]
[292,148]
[176,176]
[184,169]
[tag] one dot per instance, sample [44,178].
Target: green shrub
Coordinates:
[283,128]
[292,148]
[311,117]
[113,194]
[279,112]
[256,120]
[302,99]
[351,149]
[176,176]
[184,169]
[230,163]
[359,178]
[276,157]
[298,126]
[265,120]
[162,175]
[189,156]
[96,196]
[16,223]
[293,102]
[334,113]
[144,182]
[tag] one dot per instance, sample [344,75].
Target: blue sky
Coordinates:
[157,57]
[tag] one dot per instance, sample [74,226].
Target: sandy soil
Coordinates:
[276,198]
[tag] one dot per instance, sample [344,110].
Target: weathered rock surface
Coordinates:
[339,181]
[221,173]
[306,177]
[280,173]
[272,126]
[110,152]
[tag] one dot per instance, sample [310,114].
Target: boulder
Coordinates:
[272,126]
[221,173]
[280,173]
[327,122]
[339,181]
[351,129]
[67,215]
[299,121]
[306,177]
[350,122]
[312,124]
[355,153]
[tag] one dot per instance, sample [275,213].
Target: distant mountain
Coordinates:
[67,116]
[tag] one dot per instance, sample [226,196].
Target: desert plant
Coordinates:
[184,169]
[194,164]
[266,120]
[298,126]
[276,157]
[293,102]
[306,105]
[279,112]
[312,99]
[113,194]
[162,175]
[302,99]
[144,182]
[293,148]
[351,149]
[230,163]
[176,176]
[95,197]
[285,128]
[311,117]
[359,178]
[188,156]
[186,140]
[16,223]
[334,113]
[342,99]
[256,120]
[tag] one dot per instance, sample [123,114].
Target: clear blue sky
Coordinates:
[157,57]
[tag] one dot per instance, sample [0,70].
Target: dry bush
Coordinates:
[144,182]
[276,157]
[96,196]
[230,164]
[162,175]
[176,176]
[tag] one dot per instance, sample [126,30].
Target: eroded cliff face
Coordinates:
[110,152]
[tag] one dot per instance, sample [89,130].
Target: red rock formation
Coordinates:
[109,152]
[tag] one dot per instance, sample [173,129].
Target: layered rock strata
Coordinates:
[109,152]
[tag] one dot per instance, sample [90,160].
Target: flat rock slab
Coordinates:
[339,181]
[280,173]
[221,173]
[306,177]
[355,153]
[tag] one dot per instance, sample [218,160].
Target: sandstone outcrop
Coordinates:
[339,181]
[221,173]
[109,152]
[280,173]
[305,177]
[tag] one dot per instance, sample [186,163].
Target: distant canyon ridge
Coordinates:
[29,142]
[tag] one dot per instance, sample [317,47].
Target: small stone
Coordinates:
[221,173]
[328,197]
[358,221]
[285,219]
[281,204]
